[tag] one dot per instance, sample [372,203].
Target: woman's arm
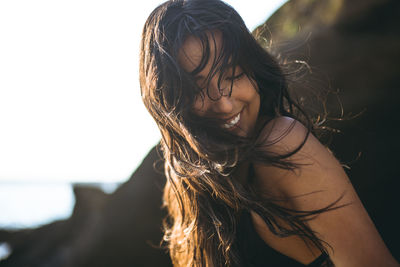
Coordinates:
[349,229]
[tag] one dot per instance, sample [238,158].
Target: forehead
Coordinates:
[191,53]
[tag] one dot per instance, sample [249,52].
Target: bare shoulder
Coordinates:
[280,126]
[286,136]
[319,180]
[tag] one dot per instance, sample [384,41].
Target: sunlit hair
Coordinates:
[203,196]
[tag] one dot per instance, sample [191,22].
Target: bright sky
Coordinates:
[70,107]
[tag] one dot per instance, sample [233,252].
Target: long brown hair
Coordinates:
[203,196]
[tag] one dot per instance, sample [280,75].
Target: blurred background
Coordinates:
[73,128]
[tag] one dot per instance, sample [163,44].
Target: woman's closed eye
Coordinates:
[234,78]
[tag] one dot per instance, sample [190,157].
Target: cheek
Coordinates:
[253,100]
[199,106]
[255,93]
[249,93]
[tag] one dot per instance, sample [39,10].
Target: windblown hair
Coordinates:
[203,196]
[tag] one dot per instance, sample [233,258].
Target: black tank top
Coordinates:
[256,253]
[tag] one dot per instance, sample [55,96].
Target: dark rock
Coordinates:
[121,229]
[352,47]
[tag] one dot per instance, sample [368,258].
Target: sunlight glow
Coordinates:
[70,107]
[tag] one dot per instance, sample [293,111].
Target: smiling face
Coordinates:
[230,96]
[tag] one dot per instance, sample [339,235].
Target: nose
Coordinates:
[222,105]
[216,101]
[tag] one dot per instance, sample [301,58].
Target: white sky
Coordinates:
[70,107]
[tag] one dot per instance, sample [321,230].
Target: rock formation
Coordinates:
[121,229]
[353,49]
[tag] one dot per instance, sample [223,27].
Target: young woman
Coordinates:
[247,182]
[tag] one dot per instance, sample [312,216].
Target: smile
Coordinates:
[231,123]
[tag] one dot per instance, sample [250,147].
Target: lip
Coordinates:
[231,118]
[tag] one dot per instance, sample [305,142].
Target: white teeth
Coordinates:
[232,122]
